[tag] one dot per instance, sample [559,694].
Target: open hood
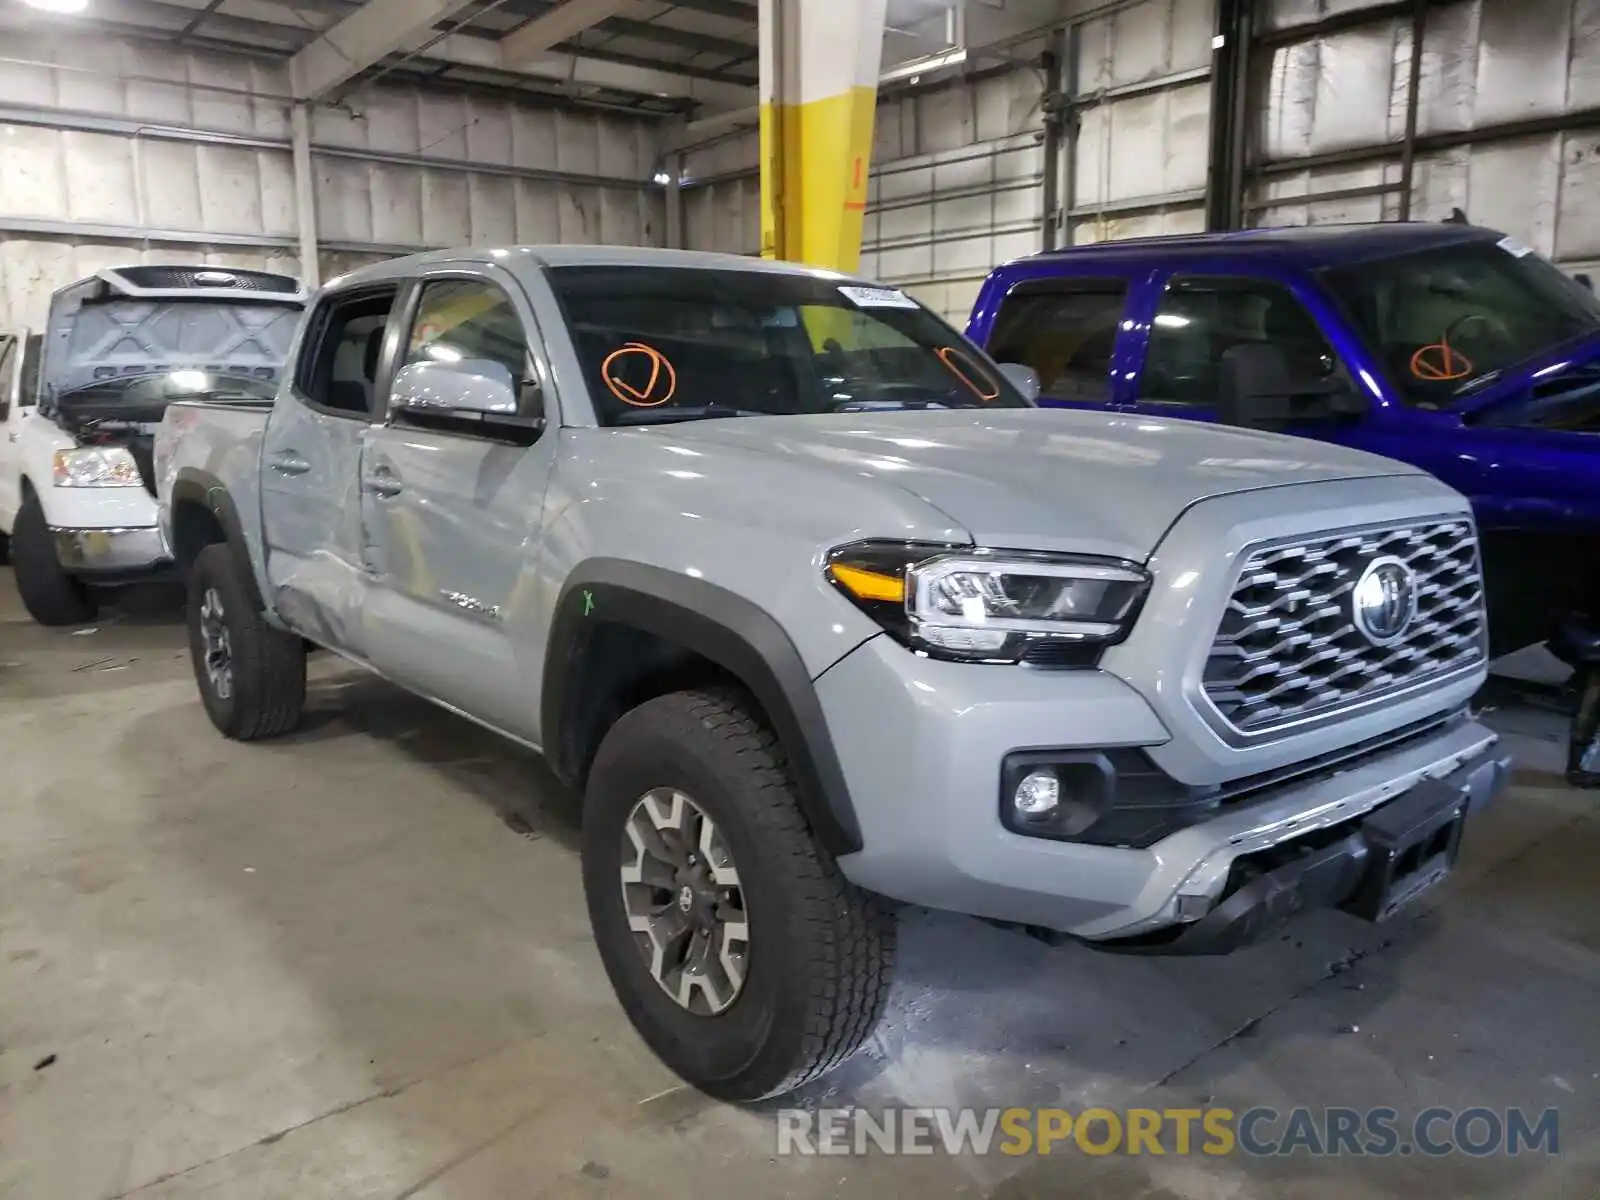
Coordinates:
[145,319]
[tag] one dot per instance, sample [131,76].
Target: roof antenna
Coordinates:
[1456,217]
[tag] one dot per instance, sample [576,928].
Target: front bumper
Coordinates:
[921,742]
[113,555]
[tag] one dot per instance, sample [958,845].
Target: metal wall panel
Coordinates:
[1484,63]
[116,152]
[1139,159]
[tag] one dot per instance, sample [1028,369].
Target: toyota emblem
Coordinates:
[1385,600]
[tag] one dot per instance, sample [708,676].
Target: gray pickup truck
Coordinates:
[821,613]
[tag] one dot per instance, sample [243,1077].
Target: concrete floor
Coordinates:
[356,963]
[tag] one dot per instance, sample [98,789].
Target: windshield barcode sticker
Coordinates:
[1514,248]
[867,297]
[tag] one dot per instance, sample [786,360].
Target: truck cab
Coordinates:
[83,398]
[1450,347]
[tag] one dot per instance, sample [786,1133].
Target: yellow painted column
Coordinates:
[819,91]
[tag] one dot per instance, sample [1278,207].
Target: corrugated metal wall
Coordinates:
[110,153]
[1486,64]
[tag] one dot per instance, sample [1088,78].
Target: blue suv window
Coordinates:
[1200,320]
[1065,330]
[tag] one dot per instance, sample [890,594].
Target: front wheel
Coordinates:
[743,957]
[252,676]
[51,596]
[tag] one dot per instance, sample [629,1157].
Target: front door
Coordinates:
[11,415]
[310,469]
[452,514]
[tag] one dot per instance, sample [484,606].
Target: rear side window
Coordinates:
[1065,330]
[1200,320]
[338,369]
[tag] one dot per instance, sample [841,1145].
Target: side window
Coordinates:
[1200,320]
[9,367]
[28,391]
[1066,332]
[465,318]
[338,368]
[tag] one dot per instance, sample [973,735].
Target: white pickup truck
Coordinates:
[817,608]
[77,492]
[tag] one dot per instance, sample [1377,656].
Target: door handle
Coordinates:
[287,462]
[384,482]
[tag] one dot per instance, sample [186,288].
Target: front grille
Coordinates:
[1289,649]
[201,277]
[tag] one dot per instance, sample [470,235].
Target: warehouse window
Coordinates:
[1065,331]
[1201,319]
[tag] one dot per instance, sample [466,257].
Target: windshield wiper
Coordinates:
[664,416]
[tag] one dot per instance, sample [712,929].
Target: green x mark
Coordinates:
[588,602]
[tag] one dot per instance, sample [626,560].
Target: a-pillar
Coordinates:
[819,87]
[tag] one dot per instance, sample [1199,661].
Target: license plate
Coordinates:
[1412,843]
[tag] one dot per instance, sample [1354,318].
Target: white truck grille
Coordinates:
[1291,647]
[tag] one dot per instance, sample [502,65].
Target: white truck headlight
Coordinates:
[992,605]
[95,466]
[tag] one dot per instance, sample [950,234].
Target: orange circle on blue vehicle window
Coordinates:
[651,378]
[1440,363]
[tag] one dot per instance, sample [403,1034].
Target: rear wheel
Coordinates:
[252,676]
[742,956]
[51,596]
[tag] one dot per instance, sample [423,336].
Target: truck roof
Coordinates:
[1307,246]
[580,256]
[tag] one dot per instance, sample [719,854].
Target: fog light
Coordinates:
[1037,794]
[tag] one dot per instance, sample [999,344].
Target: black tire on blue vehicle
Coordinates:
[51,596]
[819,952]
[251,675]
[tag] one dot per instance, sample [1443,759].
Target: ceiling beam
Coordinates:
[373,31]
[582,70]
[551,28]
[738,10]
[687,39]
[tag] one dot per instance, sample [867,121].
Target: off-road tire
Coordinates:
[821,951]
[268,684]
[51,596]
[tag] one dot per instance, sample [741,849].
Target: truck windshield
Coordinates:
[1448,320]
[669,344]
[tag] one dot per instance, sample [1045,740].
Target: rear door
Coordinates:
[311,463]
[1070,332]
[451,509]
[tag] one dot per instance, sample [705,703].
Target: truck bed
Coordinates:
[218,442]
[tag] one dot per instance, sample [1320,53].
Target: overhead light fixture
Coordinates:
[58,6]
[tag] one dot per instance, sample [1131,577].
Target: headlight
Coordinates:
[95,466]
[992,605]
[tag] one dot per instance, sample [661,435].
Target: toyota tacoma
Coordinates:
[821,613]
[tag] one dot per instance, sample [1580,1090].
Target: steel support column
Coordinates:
[819,72]
[305,193]
[1230,87]
[1056,115]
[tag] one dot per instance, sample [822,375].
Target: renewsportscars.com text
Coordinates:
[1373,1132]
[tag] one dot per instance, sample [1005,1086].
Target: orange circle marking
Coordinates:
[1440,363]
[949,355]
[662,375]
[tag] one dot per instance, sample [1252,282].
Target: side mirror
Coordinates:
[1258,389]
[1024,379]
[1585,279]
[477,390]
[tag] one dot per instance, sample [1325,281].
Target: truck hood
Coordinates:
[1040,479]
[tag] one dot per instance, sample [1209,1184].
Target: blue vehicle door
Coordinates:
[1198,318]
[1071,332]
